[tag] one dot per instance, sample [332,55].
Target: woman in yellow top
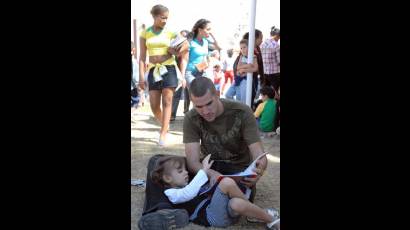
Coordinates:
[162,73]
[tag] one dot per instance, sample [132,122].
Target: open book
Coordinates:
[248,172]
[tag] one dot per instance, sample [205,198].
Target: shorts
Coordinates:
[218,212]
[229,75]
[169,80]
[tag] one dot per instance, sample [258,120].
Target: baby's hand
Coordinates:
[206,164]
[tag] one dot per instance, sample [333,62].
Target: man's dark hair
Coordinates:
[201,85]
[267,90]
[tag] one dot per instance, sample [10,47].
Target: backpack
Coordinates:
[158,213]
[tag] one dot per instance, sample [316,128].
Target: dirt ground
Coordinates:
[144,139]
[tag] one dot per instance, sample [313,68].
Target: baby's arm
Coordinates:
[181,195]
[187,193]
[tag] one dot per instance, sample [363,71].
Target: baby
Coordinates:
[222,209]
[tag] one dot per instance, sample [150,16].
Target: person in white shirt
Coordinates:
[222,209]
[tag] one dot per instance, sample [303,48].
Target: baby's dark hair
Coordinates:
[267,90]
[158,9]
[164,166]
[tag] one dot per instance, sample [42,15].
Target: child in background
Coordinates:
[218,76]
[225,206]
[241,68]
[266,111]
[213,60]
[228,69]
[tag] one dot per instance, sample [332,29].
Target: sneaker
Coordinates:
[138,182]
[161,142]
[275,224]
[164,219]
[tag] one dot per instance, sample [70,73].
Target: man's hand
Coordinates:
[249,181]
[259,170]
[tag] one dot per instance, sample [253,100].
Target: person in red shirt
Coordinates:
[218,76]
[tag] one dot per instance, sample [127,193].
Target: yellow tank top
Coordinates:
[157,43]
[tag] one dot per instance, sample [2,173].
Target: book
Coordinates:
[177,42]
[248,172]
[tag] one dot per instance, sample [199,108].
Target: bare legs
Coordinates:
[240,204]
[154,101]
[225,82]
[167,95]
[163,115]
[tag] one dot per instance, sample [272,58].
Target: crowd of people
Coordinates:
[221,133]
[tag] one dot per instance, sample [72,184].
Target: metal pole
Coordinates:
[134,22]
[251,47]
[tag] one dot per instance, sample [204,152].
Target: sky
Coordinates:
[225,16]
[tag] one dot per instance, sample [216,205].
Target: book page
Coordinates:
[250,168]
[248,172]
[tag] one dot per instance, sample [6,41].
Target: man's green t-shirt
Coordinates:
[227,137]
